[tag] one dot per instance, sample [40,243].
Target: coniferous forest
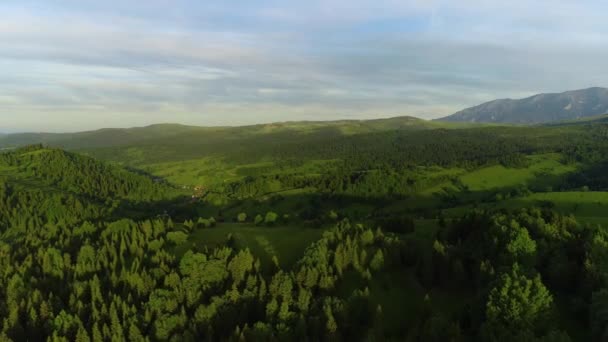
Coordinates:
[303,171]
[417,234]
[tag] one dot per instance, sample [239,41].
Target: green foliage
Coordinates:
[377,261]
[517,303]
[513,240]
[258,219]
[205,223]
[89,251]
[599,315]
[270,218]
[177,237]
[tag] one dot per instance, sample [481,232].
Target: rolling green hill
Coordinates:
[216,157]
[64,171]
[145,135]
[59,183]
[395,229]
[99,138]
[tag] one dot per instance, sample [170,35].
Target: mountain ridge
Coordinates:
[539,108]
[105,137]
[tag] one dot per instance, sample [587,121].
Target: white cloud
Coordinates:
[117,64]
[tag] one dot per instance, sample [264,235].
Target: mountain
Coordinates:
[542,108]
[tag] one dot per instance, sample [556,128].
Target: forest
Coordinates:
[309,233]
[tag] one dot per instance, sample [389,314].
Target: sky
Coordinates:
[72,65]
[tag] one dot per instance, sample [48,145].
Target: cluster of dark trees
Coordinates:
[20,208]
[520,265]
[465,148]
[381,182]
[592,177]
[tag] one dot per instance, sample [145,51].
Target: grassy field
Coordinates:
[287,243]
[543,173]
[588,207]
[213,171]
[545,170]
[207,171]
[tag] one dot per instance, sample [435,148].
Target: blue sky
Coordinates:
[76,65]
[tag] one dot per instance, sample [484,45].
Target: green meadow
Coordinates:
[286,243]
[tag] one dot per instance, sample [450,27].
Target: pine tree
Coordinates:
[377,261]
[82,335]
[97,337]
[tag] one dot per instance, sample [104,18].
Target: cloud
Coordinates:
[85,64]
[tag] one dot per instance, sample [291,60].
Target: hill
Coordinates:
[63,186]
[69,172]
[110,137]
[97,138]
[542,108]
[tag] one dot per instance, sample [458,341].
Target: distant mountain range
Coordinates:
[542,108]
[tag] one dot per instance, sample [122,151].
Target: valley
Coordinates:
[295,171]
[402,225]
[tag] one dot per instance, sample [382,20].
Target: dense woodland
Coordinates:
[93,251]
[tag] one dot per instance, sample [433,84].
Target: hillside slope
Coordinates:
[60,171]
[540,108]
[58,186]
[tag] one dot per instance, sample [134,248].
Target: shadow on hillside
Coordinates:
[593,177]
[315,208]
[178,207]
